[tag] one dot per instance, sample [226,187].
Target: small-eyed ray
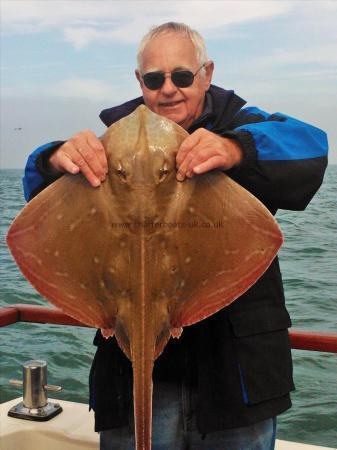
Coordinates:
[143,254]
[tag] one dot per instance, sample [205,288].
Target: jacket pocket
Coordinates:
[262,346]
[268,317]
[262,308]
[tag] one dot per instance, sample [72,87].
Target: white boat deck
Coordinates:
[70,430]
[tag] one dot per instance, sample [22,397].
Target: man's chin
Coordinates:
[175,117]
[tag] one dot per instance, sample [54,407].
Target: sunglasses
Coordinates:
[180,78]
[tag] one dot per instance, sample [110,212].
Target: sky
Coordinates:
[62,62]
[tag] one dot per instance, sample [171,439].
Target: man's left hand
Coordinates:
[203,151]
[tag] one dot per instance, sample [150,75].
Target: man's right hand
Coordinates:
[83,152]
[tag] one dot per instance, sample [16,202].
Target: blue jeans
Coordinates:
[174,428]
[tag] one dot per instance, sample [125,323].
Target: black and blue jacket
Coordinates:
[239,359]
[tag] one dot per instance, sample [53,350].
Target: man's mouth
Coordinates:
[170,104]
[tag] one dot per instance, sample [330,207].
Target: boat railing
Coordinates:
[300,339]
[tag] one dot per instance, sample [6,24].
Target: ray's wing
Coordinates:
[59,241]
[225,241]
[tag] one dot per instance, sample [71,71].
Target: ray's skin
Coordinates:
[143,255]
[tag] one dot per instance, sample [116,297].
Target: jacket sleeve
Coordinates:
[36,177]
[284,158]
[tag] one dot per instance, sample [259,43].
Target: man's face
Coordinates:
[166,53]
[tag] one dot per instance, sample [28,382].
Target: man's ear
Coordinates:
[209,68]
[139,77]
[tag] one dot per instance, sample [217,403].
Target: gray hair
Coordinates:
[175,27]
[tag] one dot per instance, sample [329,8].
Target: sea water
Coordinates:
[309,268]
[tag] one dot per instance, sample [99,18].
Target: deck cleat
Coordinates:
[35,405]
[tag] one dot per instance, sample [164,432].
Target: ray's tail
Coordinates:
[142,361]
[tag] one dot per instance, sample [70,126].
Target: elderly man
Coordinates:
[223,383]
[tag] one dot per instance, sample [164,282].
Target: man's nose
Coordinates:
[168,88]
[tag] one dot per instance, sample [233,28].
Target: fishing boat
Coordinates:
[69,425]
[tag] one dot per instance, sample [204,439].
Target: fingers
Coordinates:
[188,144]
[67,165]
[212,163]
[84,153]
[87,152]
[203,151]
[186,153]
[97,145]
[88,167]
[186,168]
